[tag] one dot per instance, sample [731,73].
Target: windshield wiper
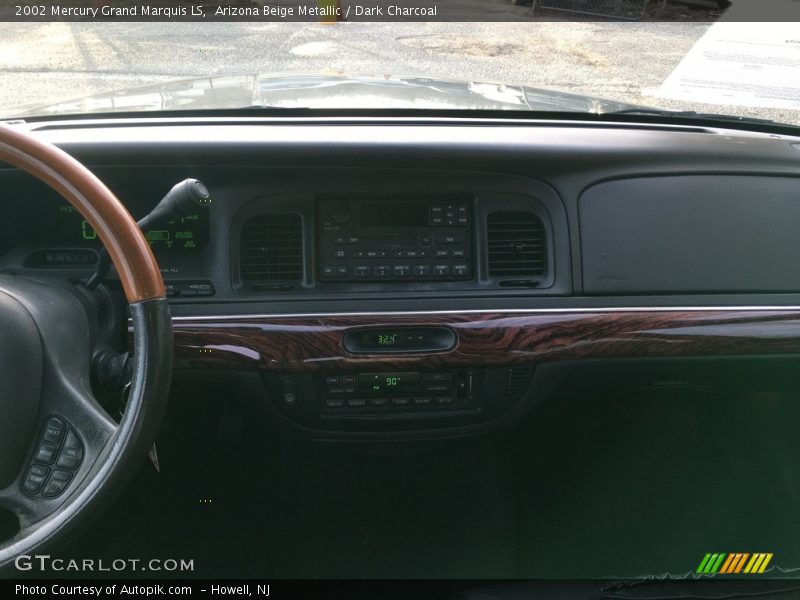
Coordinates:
[692,114]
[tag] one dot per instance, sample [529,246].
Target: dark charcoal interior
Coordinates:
[580,488]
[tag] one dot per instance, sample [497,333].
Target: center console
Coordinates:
[386,248]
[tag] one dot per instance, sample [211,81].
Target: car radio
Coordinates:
[395,239]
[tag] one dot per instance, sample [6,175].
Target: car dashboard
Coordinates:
[407,278]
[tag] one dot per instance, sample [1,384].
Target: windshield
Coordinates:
[543,58]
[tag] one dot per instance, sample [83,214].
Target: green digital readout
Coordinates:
[384,382]
[66,226]
[388,382]
[388,339]
[87,233]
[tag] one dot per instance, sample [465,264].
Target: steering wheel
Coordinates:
[62,458]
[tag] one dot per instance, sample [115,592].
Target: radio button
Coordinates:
[459,253]
[461,270]
[426,239]
[444,253]
[445,387]
[419,253]
[441,270]
[437,221]
[370,254]
[437,377]
[402,270]
[361,271]
[328,271]
[450,239]
[421,270]
[342,270]
[340,253]
[351,239]
[341,215]
[381,271]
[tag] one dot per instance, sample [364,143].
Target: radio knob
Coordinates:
[341,216]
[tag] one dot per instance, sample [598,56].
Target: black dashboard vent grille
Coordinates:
[516,381]
[516,244]
[272,248]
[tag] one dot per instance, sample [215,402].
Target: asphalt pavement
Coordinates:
[42,63]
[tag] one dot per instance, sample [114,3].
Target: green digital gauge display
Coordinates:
[36,216]
[388,339]
[189,234]
[388,382]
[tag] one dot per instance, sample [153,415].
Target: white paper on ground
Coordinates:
[743,64]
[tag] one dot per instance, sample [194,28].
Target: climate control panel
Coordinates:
[391,400]
[402,391]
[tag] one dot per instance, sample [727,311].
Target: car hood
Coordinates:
[327,91]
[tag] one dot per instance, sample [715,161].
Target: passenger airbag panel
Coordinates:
[699,233]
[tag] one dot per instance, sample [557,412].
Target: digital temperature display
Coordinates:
[388,382]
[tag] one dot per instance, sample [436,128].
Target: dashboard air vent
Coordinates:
[516,381]
[271,248]
[516,244]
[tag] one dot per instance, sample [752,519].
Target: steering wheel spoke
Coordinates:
[70,430]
